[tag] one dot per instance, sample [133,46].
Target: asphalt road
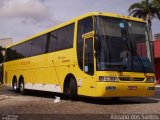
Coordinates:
[40,105]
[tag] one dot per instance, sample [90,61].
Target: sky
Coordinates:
[22,18]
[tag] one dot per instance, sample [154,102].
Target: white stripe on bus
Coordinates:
[44,87]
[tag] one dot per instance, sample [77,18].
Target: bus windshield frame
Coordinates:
[122,45]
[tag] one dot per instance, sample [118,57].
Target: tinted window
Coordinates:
[89,58]
[13,54]
[19,51]
[38,45]
[53,41]
[84,26]
[62,38]
[26,49]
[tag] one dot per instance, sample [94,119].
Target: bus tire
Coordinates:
[115,98]
[21,87]
[15,86]
[73,89]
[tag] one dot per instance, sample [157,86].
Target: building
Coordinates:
[156,49]
[5,42]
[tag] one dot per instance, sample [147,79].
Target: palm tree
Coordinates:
[147,10]
[157,4]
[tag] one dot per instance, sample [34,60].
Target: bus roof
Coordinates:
[75,19]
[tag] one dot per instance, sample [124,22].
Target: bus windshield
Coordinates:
[122,45]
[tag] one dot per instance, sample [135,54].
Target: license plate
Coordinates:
[132,87]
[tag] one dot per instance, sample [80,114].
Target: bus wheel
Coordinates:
[14,86]
[70,89]
[21,87]
[73,90]
[115,98]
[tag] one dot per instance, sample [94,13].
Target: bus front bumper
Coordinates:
[112,89]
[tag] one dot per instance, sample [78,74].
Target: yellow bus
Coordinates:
[96,54]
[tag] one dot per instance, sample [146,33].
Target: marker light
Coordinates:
[150,79]
[107,79]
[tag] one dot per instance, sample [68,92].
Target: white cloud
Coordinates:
[24,9]
[22,18]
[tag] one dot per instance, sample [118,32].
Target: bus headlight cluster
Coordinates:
[108,79]
[150,79]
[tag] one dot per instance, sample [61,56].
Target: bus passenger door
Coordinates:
[88,65]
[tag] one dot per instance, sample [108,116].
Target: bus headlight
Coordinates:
[150,79]
[108,79]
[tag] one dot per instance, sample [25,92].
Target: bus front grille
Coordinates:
[139,79]
[124,78]
[131,79]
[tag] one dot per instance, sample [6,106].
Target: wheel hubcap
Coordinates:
[21,87]
[15,86]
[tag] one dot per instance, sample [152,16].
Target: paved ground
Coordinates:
[41,104]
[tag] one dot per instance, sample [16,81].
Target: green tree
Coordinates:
[157,4]
[147,10]
[1,55]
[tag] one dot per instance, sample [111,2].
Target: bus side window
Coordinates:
[89,57]
[84,26]
[60,36]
